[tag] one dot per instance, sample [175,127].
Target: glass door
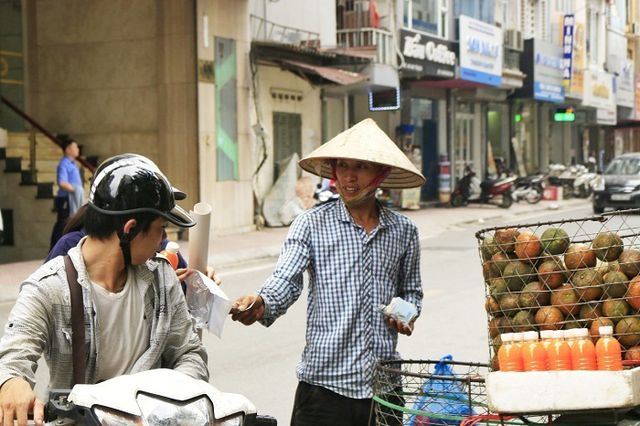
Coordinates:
[463,140]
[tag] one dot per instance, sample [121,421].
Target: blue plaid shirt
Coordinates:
[350,274]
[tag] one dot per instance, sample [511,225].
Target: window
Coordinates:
[477,9]
[422,15]
[543,17]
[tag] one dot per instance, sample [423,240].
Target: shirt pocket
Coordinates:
[63,343]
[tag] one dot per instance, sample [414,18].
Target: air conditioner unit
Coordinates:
[513,39]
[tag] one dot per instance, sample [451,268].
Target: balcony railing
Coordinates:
[369,37]
[264,30]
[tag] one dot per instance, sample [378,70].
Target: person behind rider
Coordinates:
[358,255]
[135,315]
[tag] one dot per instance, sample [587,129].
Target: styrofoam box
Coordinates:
[559,391]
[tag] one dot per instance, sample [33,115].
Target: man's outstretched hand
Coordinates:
[247,309]
[17,400]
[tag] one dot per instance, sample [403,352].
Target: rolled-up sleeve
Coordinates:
[285,285]
[410,283]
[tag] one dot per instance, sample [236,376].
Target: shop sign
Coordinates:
[548,68]
[426,55]
[625,85]
[567,48]
[480,51]
[599,94]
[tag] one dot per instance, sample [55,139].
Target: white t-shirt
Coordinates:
[123,332]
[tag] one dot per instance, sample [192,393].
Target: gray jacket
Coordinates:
[40,324]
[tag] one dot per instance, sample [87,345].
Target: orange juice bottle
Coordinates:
[534,357]
[509,354]
[170,252]
[559,352]
[546,337]
[569,336]
[608,350]
[583,351]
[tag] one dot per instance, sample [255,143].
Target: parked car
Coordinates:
[619,186]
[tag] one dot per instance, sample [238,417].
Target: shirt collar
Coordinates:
[385,217]
[143,273]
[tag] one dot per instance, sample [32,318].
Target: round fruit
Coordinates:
[509,304]
[629,261]
[498,262]
[615,284]
[575,324]
[528,245]
[534,295]
[632,354]
[579,256]
[551,273]
[588,284]
[590,311]
[497,288]
[565,299]
[506,239]
[615,309]
[628,331]
[517,274]
[499,325]
[491,305]
[595,326]
[523,321]
[487,270]
[607,246]
[488,248]
[549,318]
[554,240]
[633,292]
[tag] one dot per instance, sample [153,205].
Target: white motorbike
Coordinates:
[156,397]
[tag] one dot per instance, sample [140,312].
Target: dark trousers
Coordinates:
[61,206]
[318,406]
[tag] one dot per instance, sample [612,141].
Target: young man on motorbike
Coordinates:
[135,315]
[359,255]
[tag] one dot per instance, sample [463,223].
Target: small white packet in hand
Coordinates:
[208,304]
[399,309]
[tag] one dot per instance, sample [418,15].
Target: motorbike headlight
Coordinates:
[597,184]
[109,417]
[157,411]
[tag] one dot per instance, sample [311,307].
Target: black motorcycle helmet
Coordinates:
[129,184]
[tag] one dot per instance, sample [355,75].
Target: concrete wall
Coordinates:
[232,201]
[309,107]
[119,76]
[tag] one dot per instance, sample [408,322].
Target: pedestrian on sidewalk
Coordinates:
[135,315]
[359,254]
[70,190]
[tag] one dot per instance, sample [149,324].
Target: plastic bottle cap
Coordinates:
[546,334]
[581,332]
[530,335]
[605,330]
[506,337]
[172,247]
[518,337]
[558,334]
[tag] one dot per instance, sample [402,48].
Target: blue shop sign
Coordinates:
[480,51]
[548,69]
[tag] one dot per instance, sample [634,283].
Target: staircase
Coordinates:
[27,191]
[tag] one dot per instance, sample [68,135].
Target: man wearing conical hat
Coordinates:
[359,255]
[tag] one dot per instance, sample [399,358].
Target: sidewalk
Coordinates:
[237,250]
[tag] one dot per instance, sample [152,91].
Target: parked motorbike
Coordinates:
[154,397]
[326,193]
[529,188]
[470,189]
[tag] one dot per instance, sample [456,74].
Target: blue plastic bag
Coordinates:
[442,398]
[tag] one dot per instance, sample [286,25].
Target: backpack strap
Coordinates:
[77,323]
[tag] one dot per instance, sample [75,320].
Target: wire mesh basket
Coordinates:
[564,274]
[410,392]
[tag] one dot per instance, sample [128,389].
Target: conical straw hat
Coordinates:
[366,142]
